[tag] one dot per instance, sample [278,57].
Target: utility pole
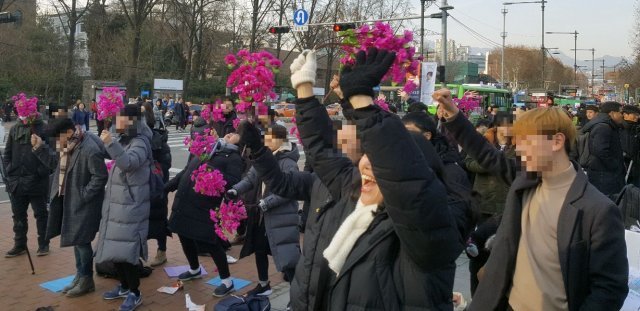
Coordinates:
[422,3]
[504,37]
[543,49]
[444,8]
[593,70]
[575,51]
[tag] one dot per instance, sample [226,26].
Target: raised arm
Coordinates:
[127,160]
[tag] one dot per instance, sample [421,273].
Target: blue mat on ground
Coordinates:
[56,286]
[237,283]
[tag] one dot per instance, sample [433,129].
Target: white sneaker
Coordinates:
[231,259]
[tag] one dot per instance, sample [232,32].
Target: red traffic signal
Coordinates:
[343,26]
[279,29]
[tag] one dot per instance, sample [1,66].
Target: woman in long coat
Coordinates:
[125,211]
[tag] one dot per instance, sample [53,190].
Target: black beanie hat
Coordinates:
[592,108]
[609,107]
[131,111]
[278,131]
[631,109]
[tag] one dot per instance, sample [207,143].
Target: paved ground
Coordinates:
[22,290]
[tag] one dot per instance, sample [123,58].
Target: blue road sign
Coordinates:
[300,17]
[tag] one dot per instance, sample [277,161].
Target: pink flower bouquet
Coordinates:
[253,78]
[381,36]
[208,182]
[213,112]
[27,107]
[201,145]
[109,103]
[227,217]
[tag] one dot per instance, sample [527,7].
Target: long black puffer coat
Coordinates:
[190,211]
[280,219]
[158,225]
[606,169]
[405,260]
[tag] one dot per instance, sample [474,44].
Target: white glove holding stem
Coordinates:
[303,68]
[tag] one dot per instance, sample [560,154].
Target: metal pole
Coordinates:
[603,80]
[575,58]
[444,35]
[593,70]
[504,36]
[542,50]
[422,29]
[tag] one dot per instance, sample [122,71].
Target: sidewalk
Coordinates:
[22,290]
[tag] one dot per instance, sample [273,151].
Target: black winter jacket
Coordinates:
[630,137]
[606,169]
[158,211]
[591,242]
[226,126]
[25,173]
[405,260]
[190,211]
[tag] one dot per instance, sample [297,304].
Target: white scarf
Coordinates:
[349,232]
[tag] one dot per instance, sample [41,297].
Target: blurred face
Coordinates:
[81,106]
[63,139]
[631,117]
[370,192]
[616,116]
[227,106]
[537,151]
[271,142]
[123,123]
[503,133]
[231,138]
[348,142]
[590,114]
[440,112]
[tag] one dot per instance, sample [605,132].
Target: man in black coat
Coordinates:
[606,169]
[27,183]
[561,243]
[630,137]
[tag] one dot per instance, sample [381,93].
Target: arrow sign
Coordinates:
[300,17]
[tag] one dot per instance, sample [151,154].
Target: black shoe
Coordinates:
[260,290]
[15,251]
[43,250]
[223,290]
[186,276]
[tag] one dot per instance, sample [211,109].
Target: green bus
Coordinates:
[491,96]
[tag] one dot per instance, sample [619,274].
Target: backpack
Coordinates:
[241,303]
[108,270]
[584,152]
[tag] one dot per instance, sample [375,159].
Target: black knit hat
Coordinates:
[592,108]
[131,111]
[278,131]
[631,109]
[609,107]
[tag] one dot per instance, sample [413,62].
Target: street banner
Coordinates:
[427,81]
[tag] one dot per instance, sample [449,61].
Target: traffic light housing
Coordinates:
[279,29]
[343,26]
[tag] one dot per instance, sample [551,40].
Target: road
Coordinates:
[179,152]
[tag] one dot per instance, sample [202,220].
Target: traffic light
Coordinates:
[279,29]
[343,26]
[6,17]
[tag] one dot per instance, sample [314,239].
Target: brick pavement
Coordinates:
[22,292]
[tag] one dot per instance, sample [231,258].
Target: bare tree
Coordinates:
[72,11]
[136,12]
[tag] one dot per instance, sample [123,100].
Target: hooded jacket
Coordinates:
[281,217]
[606,169]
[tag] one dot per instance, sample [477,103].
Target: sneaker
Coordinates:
[186,276]
[115,293]
[231,260]
[43,250]
[161,257]
[16,251]
[223,290]
[260,290]
[131,302]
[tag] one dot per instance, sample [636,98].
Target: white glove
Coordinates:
[303,68]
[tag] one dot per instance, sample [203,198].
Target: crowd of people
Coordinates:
[390,202]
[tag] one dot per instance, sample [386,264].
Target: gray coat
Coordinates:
[78,218]
[125,211]
[281,217]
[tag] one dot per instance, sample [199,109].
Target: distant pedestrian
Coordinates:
[125,211]
[76,195]
[81,117]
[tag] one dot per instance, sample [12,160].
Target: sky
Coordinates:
[605,25]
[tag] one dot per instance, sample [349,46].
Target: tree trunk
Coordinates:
[132,82]
[254,25]
[71,44]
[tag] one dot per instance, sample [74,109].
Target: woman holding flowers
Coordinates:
[216,164]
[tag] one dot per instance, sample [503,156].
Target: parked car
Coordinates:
[334,109]
[285,110]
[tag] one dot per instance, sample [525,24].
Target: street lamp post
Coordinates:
[504,36]
[593,65]
[542,48]
[575,52]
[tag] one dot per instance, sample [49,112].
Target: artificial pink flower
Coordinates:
[27,108]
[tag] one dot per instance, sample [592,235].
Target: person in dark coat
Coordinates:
[630,137]
[81,117]
[158,212]
[27,183]
[181,115]
[561,243]
[272,229]
[76,195]
[225,126]
[394,250]
[606,169]
[125,211]
[190,217]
